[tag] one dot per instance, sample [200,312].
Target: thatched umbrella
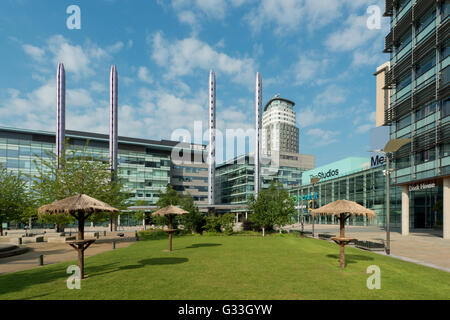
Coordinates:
[342,210]
[80,207]
[170,211]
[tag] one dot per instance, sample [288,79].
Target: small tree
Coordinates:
[140,215]
[273,207]
[15,203]
[192,221]
[80,172]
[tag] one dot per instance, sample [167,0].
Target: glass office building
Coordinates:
[419,108]
[350,179]
[235,178]
[144,165]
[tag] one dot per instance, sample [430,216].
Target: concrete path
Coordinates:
[53,253]
[425,247]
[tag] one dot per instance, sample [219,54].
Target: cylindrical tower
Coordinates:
[212,138]
[60,111]
[113,120]
[258,125]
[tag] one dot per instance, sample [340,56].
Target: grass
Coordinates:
[230,267]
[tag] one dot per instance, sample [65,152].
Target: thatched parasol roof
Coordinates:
[76,204]
[343,206]
[169,210]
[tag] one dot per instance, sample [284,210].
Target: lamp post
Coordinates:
[313,182]
[392,146]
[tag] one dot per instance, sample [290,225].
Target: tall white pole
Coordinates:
[212,138]
[113,120]
[60,112]
[258,125]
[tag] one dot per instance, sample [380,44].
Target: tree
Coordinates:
[140,215]
[272,207]
[80,172]
[15,203]
[192,221]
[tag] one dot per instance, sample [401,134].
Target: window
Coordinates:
[401,4]
[425,111]
[425,64]
[402,163]
[425,156]
[445,150]
[425,20]
[445,9]
[445,50]
[445,108]
[404,40]
[404,122]
[403,81]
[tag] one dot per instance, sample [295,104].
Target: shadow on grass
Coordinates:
[16,282]
[201,245]
[350,258]
[155,262]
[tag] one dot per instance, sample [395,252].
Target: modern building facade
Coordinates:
[382,94]
[280,132]
[235,178]
[145,165]
[419,108]
[355,179]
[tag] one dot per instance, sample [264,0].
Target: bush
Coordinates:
[218,224]
[194,221]
[249,225]
[212,224]
[152,235]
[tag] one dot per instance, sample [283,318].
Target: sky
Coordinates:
[321,54]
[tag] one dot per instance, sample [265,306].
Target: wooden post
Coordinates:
[81,260]
[342,255]
[170,232]
[342,245]
[80,246]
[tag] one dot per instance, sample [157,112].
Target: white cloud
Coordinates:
[332,95]
[307,69]
[144,75]
[289,16]
[364,128]
[186,56]
[35,52]
[323,137]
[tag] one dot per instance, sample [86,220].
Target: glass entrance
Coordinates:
[426,208]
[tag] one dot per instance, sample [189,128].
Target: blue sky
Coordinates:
[318,53]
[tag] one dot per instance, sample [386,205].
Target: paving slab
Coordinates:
[423,246]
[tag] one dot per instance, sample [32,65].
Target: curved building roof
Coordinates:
[278,98]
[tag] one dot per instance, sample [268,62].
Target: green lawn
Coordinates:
[231,267]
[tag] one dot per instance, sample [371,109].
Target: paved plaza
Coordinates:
[56,252]
[423,246]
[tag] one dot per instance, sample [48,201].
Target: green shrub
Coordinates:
[219,224]
[152,235]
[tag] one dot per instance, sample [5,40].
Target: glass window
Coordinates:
[425,20]
[404,122]
[13,153]
[404,162]
[425,156]
[404,40]
[425,111]
[425,64]
[445,50]
[445,9]
[403,81]
[445,107]
[445,150]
